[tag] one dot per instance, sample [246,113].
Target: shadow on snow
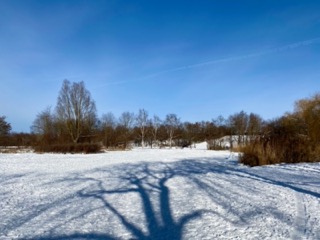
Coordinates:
[149,182]
[144,183]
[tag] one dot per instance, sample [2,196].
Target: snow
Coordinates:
[201,146]
[156,194]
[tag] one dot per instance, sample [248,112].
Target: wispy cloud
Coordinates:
[241,57]
[222,60]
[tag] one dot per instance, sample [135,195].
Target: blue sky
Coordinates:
[198,59]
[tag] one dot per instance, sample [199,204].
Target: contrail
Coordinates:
[224,60]
[252,55]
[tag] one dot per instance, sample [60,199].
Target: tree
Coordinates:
[124,127]
[309,111]
[142,120]
[172,123]
[239,124]
[43,122]
[221,124]
[255,124]
[192,132]
[76,110]
[126,120]
[108,125]
[5,127]
[156,123]
[45,125]
[219,121]
[109,120]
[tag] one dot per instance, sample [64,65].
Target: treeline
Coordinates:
[49,134]
[73,126]
[292,138]
[138,129]
[13,139]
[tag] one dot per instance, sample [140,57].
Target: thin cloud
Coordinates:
[252,55]
[222,60]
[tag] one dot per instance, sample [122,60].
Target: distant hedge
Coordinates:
[70,148]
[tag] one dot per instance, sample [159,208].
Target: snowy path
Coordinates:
[155,194]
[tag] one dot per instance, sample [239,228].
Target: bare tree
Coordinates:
[156,123]
[108,125]
[191,132]
[43,124]
[76,109]
[125,125]
[172,123]
[309,110]
[126,120]
[239,125]
[142,121]
[254,125]
[109,120]
[5,127]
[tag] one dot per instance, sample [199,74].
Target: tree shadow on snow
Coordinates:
[150,183]
[160,225]
[150,186]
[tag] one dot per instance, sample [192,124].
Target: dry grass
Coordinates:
[293,151]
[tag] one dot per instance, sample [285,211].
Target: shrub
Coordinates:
[263,154]
[255,154]
[70,148]
[284,141]
[250,158]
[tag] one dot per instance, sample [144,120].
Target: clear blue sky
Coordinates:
[198,59]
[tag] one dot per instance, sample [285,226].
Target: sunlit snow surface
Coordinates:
[156,194]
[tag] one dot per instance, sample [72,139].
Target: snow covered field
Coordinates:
[155,194]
